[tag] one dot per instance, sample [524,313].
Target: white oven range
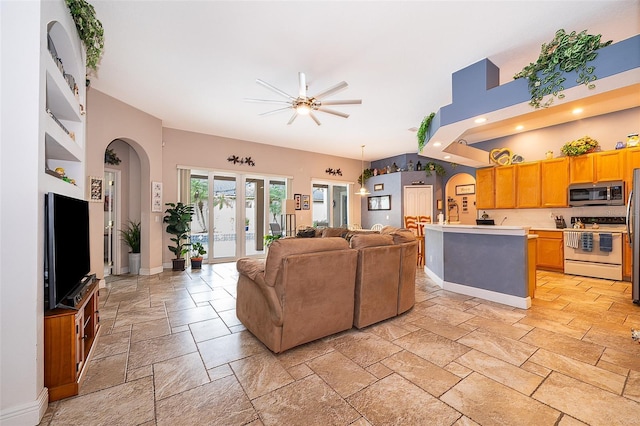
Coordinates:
[595,252]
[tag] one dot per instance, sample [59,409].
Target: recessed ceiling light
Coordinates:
[520,127]
[446,157]
[437,144]
[479,120]
[577,111]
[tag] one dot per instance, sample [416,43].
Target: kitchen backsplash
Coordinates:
[544,218]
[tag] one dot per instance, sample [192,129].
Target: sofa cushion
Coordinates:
[359,241]
[334,232]
[400,235]
[280,249]
[250,267]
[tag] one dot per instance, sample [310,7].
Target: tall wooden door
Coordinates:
[418,200]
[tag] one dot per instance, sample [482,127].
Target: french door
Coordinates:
[330,204]
[232,212]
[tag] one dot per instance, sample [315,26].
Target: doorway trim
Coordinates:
[116,268]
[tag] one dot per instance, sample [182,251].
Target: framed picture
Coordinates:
[378,187]
[156,196]
[96,189]
[306,202]
[297,198]
[466,189]
[380,202]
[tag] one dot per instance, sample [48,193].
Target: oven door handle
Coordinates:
[629,218]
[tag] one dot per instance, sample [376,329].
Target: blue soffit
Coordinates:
[476,90]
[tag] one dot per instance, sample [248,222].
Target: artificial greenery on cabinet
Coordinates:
[89,29]
[423,131]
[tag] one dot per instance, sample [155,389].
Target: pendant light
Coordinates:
[362,191]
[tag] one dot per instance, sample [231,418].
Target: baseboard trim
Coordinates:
[151,271]
[26,414]
[505,299]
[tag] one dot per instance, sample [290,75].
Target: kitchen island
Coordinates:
[496,263]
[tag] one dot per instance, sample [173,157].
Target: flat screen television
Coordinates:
[67,261]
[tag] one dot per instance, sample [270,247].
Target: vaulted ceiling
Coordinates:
[192,63]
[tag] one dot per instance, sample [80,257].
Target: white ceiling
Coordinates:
[192,63]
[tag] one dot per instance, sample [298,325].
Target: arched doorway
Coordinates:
[460,194]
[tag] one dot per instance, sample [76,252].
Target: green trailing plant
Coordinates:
[366,174]
[423,131]
[431,167]
[178,220]
[268,239]
[197,250]
[565,53]
[580,146]
[131,236]
[110,157]
[89,29]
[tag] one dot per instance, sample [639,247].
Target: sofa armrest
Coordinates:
[253,270]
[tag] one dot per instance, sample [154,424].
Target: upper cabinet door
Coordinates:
[609,165]
[528,185]
[581,169]
[554,178]
[485,186]
[505,187]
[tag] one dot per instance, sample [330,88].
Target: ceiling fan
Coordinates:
[306,105]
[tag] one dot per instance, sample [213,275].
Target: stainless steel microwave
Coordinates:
[597,194]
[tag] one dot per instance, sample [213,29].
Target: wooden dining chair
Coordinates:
[411,223]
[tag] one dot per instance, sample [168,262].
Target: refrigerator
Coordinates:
[633,228]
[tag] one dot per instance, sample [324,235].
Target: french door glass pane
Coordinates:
[200,219]
[224,217]
[320,205]
[339,205]
[277,197]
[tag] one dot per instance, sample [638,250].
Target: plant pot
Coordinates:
[196,263]
[178,264]
[134,263]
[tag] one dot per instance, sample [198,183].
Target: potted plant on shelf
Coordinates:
[131,237]
[178,220]
[197,251]
[246,224]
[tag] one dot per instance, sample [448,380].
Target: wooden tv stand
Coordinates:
[69,337]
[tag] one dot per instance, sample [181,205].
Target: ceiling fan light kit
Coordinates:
[306,105]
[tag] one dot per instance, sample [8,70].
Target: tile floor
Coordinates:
[172,352]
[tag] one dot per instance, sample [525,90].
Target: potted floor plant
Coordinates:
[131,237]
[178,220]
[197,251]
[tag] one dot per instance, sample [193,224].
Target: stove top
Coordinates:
[617,221]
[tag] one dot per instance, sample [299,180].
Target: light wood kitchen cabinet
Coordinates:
[627,259]
[609,165]
[581,169]
[485,186]
[505,187]
[550,250]
[554,179]
[632,161]
[528,185]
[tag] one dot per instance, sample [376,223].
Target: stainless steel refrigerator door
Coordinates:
[634,235]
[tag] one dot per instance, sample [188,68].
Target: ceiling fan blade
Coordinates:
[267,101]
[334,112]
[314,118]
[332,90]
[344,102]
[274,111]
[275,89]
[293,117]
[302,83]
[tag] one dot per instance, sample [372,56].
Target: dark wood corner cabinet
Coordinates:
[69,336]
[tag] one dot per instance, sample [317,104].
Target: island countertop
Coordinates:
[480,229]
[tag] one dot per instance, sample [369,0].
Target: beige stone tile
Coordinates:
[303,353]
[388,330]
[447,314]
[534,368]
[343,375]
[230,318]
[301,370]
[458,369]
[179,304]
[432,347]
[138,373]
[361,422]
[310,399]
[104,373]
[188,316]
[219,372]
[557,304]
[564,345]
[364,348]
[128,403]
[442,328]
[570,421]
[579,370]
[260,374]
[225,304]
[632,388]
[505,406]
[159,349]
[198,288]
[512,351]
[622,359]
[229,348]
[613,368]
[379,370]
[221,402]
[586,402]
[149,329]
[554,315]
[515,331]
[394,398]
[501,371]
[178,374]
[421,372]
[209,329]
[465,421]
[139,315]
[111,344]
[496,312]
[555,327]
